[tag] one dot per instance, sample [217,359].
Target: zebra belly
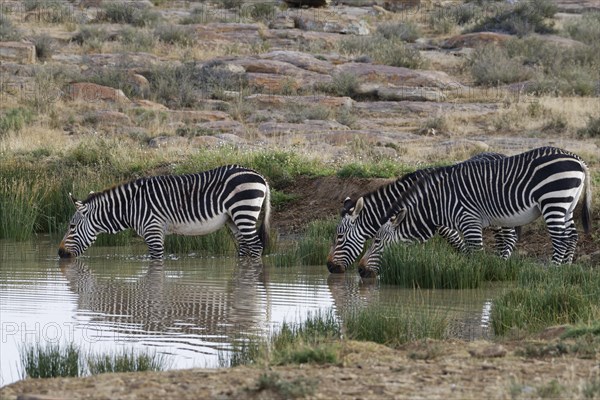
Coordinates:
[197,227]
[522,218]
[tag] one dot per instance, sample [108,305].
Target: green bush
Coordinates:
[135,39]
[14,120]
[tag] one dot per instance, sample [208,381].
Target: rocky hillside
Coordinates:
[409,81]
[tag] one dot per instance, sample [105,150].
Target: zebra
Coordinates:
[513,191]
[362,219]
[191,204]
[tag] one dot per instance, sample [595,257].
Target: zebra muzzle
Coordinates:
[64,253]
[335,268]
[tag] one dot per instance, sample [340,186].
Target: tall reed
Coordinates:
[50,360]
[394,326]
[60,360]
[20,207]
[125,361]
[548,296]
[316,241]
[433,265]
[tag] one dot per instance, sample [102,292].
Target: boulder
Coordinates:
[397,75]
[197,116]
[168,141]
[299,59]
[92,92]
[18,52]
[400,93]
[475,39]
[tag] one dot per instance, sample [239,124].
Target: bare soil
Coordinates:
[430,370]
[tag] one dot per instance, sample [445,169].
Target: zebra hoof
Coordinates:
[334,268]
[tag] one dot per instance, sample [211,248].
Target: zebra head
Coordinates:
[369,264]
[349,239]
[81,233]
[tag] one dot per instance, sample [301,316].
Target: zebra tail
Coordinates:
[265,227]
[586,210]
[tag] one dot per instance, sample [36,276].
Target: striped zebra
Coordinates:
[512,191]
[193,204]
[362,219]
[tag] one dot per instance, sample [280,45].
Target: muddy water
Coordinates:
[189,309]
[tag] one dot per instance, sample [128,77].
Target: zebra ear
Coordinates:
[398,217]
[357,208]
[78,203]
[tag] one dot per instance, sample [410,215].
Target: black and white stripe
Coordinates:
[511,191]
[193,204]
[361,220]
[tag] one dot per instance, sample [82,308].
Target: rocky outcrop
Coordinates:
[400,93]
[18,52]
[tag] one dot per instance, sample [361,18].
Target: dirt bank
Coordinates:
[434,370]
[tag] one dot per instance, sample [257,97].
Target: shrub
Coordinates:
[135,39]
[14,120]
[175,34]
[586,29]
[120,12]
[44,46]
[592,128]
[391,51]
[492,65]
[8,32]
[520,19]
[406,31]
[342,84]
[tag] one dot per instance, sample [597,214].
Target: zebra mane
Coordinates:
[94,195]
[425,176]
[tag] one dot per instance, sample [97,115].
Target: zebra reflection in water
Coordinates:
[155,303]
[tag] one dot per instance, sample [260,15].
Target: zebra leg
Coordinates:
[473,234]
[453,238]
[249,244]
[155,240]
[570,242]
[506,240]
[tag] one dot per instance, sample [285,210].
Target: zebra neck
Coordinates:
[113,207]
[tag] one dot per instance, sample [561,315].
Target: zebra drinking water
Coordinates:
[193,204]
[360,220]
[509,192]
